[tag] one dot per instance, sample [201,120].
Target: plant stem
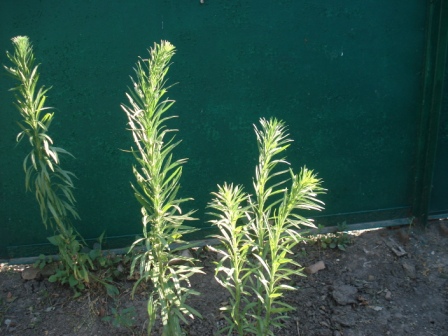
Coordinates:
[158,179]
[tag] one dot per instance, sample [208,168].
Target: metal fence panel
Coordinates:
[439,199]
[345,76]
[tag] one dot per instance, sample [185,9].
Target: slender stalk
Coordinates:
[229,202]
[53,186]
[158,181]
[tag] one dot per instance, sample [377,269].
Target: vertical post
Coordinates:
[434,69]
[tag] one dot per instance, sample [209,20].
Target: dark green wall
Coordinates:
[344,75]
[439,199]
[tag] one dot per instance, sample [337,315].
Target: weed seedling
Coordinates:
[340,239]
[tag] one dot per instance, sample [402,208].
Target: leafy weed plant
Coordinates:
[340,239]
[158,176]
[258,234]
[52,185]
[121,317]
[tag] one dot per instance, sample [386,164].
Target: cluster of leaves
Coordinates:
[258,234]
[339,239]
[158,177]
[104,267]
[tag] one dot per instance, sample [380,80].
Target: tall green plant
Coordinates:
[53,186]
[158,176]
[257,254]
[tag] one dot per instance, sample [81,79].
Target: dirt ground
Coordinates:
[369,289]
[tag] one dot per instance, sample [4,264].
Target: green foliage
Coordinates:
[88,265]
[340,239]
[43,261]
[232,270]
[258,234]
[121,317]
[75,265]
[53,186]
[158,176]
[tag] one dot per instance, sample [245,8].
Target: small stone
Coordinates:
[31,273]
[219,254]
[101,312]
[403,236]
[186,254]
[49,270]
[371,278]
[443,228]
[10,325]
[344,320]
[376,308]
[395,247]
[120,268]
[320,265]
[323,332]
[324,324]
[388,295]
[345,294]
[409,270]
[10,298]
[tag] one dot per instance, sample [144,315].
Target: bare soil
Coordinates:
[366,290]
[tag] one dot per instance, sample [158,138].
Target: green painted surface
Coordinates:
[439,199]
[345,76]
